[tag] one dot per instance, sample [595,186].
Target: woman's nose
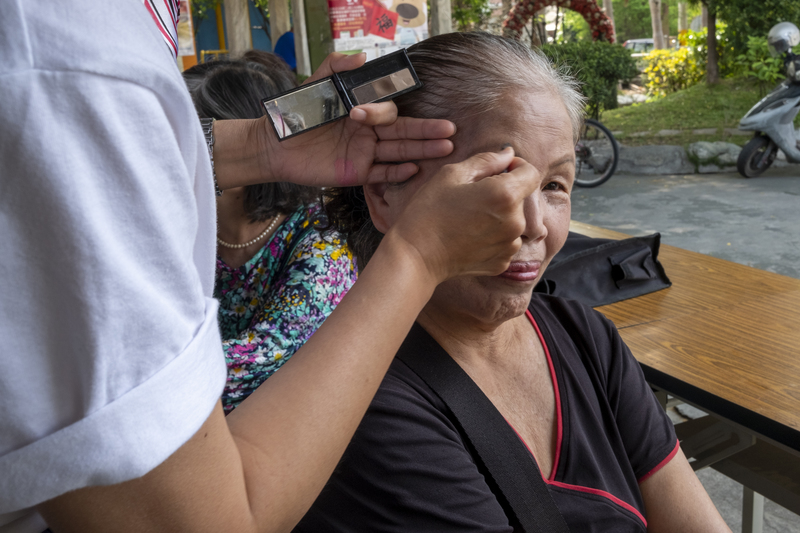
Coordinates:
[533,208]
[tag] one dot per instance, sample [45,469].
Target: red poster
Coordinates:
[383,22]
[348,16]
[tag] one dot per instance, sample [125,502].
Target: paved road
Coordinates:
[755,222]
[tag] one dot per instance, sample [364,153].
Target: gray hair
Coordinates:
[464,75]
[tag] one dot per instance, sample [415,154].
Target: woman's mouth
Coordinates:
[522,270]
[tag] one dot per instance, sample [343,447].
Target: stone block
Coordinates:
[705,131]
[654,160]
[623,99]
[667,133]
[715,153]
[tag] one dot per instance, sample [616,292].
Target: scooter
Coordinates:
[773,117]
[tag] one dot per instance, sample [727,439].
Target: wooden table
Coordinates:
[725,338]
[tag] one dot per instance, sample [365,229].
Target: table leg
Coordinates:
[661,396]
[752,511]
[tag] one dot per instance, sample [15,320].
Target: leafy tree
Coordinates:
[632,19]
[201,9]
[746,18]
[470,14]
[575,28]
[712,61]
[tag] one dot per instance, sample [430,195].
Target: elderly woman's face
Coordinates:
[538,128]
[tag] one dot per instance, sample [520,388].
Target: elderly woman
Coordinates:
[556,370]
[277,277]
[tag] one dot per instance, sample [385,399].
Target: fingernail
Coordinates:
[506,145]
[358,114]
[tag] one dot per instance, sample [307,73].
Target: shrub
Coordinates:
[598,66]
[669,71]
[757,63]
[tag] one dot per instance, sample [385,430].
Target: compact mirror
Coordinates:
[310,106]
[387,86]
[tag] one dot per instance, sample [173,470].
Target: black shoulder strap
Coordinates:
[504,456]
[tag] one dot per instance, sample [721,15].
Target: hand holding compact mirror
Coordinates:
[316,104]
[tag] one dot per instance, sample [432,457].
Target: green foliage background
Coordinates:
[469,14]
[599,66]
[754,18]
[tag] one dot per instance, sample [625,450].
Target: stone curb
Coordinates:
[731,132]
[701,158]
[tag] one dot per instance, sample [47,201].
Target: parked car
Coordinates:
[638,47]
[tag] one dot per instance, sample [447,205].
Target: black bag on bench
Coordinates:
[603,271]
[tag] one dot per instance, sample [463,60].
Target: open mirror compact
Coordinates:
[309,106]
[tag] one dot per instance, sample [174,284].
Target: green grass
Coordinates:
[701,106]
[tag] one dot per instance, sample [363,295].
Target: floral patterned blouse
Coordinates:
[272,304]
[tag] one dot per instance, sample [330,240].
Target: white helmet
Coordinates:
[782,37]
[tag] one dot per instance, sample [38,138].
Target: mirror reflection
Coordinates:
[305,109]
[383,87]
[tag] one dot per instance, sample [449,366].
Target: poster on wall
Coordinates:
[185,30]
[377,27]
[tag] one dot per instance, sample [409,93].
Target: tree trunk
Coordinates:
[237,26]
[655,17]
[683,17]
[665,22]
[301,51]
[608,7]
[704,16]
[712,64]
[441,18]
[279,22]
[538,30]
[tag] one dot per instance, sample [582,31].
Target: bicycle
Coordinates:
[596,155]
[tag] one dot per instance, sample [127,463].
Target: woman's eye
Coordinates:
[554,186]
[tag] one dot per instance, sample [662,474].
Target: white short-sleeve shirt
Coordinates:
[110,356]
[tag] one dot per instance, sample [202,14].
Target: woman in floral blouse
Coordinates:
[278,278]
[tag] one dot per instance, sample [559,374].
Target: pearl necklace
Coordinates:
[252,241]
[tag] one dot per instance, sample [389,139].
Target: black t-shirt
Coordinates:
[407,468]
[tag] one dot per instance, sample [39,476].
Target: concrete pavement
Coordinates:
[754,222]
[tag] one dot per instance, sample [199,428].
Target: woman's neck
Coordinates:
[474,343]
[235,227]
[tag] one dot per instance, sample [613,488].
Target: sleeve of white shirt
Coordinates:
[111,357]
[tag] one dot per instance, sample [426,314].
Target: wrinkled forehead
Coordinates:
[528,122]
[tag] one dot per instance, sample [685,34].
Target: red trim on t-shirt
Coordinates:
[604,494]
[559,426]
[660,465]
[588,490]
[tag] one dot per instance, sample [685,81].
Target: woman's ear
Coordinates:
[379,209]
